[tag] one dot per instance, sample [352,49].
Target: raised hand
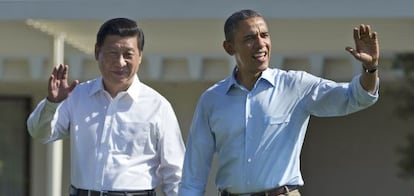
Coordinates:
[59,89]
[366,43]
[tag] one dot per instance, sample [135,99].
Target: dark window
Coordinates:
[14,146]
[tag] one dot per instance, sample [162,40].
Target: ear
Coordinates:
[228,47]
[140,57]
[96,52]
[140,53]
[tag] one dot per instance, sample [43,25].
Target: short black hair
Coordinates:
[123,27]
[232,22]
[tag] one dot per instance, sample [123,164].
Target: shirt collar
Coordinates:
[97,86]
[231,80]
[132,91]
[267,75]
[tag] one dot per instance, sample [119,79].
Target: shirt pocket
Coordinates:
[274,132]
[132,136]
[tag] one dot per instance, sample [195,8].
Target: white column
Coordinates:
[317,65]
[55,149]
[154,66]
[36,67]
[75,67]
[195,66]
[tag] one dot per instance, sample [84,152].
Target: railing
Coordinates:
[191,67]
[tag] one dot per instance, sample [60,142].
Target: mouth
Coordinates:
[120,72]
[260,56]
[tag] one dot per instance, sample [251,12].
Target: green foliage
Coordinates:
[406,163]
[405,108]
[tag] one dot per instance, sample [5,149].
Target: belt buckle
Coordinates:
[103,193]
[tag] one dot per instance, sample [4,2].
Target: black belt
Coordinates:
[273,192]
[82,192]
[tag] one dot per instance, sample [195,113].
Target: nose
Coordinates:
[121,62]
[261,42]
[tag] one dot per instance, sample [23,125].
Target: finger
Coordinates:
[349,49]
[374,35]
[51,82]
[60,72]
[368,30]
[54,71]
[65,72]
[73,85]
[356,34]
[51,87]
[362,31]
[353,52]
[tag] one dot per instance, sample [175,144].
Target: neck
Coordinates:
[247,80]
[114,89]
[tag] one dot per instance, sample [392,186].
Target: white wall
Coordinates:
[334,154]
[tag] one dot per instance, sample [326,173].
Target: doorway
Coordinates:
[14,146]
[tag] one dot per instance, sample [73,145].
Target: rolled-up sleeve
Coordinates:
[39,121]
[328,98]
[365,98]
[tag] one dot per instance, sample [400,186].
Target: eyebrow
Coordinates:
[120,48]
[254,33]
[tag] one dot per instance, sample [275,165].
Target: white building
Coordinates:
[183,55]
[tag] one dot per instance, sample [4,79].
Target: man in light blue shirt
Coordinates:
[256,119]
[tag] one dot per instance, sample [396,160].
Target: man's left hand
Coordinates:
[367,47]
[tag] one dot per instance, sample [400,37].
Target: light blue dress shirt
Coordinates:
[258,134]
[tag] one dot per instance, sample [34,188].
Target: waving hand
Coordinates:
[366,43]
[59,88]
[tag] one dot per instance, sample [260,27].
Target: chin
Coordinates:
[263,66]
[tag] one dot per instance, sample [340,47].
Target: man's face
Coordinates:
[251,45]
[118,59]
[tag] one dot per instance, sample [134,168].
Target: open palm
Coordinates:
[366,44]
[59,89]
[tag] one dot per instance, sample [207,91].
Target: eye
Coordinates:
[129,55]
[249,37]
[113,53]
[265,35]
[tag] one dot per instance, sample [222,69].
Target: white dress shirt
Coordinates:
[129,142]
[258,134]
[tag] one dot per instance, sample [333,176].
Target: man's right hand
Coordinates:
[59,89]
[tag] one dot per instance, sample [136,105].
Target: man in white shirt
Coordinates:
[125,138]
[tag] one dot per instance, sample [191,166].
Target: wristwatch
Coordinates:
[370,70]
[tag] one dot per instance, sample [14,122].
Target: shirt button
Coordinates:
[249,160]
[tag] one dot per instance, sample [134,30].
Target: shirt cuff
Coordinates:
[188,191]
[363,95]
[51,106]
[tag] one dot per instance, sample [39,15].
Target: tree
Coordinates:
[405,109]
